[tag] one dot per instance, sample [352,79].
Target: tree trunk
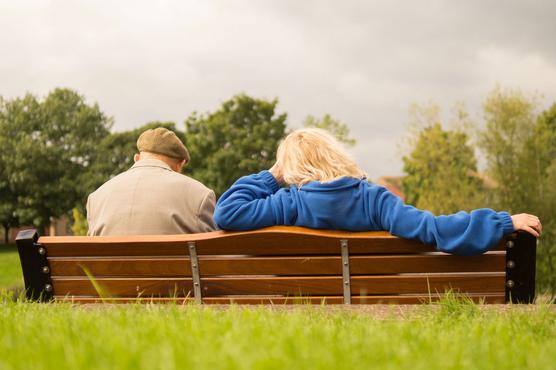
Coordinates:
[6,235]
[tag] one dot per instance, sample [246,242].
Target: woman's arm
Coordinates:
[253,202]
[461,233]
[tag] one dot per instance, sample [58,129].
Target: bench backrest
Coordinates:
[273,265]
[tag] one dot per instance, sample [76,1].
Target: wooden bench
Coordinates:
[275,265]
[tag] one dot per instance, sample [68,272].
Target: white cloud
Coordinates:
[363,62]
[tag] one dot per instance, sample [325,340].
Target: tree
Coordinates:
[441,172]
[46,149]
[8,202]
[509,123]
[334,126]
[520,148]
[537,162]
[238,139]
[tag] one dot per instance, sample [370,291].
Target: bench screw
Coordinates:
[48,287]
[346,282]
[42,250]
[510,283]
[345,263]
[45,270]
[196,284]
[510,264]
[510,244]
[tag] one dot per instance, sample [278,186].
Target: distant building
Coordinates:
[58,227]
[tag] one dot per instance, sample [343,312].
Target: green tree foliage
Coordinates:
[520,148]
[79,225]
[441,172]
[46,149]
[8,202]
[238,139]
[334,126]
[509,124]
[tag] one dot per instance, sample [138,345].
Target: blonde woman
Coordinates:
[327,190]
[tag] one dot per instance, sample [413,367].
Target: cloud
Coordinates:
[363,62]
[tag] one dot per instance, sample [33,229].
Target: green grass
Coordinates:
[10,268]
[452,336]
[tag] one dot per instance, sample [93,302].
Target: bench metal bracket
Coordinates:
[34,264]
[346,279]
[521,252]
[195,272]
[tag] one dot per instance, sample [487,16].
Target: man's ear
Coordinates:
[137,157]
[181,165]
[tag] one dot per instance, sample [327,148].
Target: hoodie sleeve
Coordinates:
[460,233]
[253,202]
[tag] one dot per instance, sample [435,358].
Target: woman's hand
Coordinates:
[276,171]
[529,223]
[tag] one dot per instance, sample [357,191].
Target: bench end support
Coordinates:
[34,264]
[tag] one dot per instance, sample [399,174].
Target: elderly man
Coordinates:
[152,197]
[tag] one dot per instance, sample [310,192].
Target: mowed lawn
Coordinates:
[10,268]
[449,335]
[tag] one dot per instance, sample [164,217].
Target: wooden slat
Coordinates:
[289,286]
[120,266]
[256,300]
[278,240]
[289,266]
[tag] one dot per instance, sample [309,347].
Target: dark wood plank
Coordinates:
[289,286]
[497,298]
[287,266]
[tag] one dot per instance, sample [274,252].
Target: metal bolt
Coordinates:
[194,266]
[196,284]
[346,282]
[48,287]
[510,264]
[510,283]
[345,263]
[45,270]
[42,250]
[510,244]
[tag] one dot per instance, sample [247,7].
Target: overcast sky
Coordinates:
[363,62]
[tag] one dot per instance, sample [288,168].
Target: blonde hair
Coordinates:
[312,154]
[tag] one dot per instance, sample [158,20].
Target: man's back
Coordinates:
[150,198]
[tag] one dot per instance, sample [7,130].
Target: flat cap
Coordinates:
[162,141]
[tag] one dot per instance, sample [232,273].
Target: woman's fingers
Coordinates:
[530,223]
[536,223]
[530,230]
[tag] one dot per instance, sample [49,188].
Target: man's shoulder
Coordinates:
[189,182]
[110,183]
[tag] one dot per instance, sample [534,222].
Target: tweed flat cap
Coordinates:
[162,141]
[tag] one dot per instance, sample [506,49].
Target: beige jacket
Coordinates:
[150,198]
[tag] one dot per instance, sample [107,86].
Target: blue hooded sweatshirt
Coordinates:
[351,204]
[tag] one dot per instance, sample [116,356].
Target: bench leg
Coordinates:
[36,272]
[521,252]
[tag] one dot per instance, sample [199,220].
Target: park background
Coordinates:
[451,105]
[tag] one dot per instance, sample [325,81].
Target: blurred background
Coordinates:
[451,105]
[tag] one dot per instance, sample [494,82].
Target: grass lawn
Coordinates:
[450,336]
[10,268]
